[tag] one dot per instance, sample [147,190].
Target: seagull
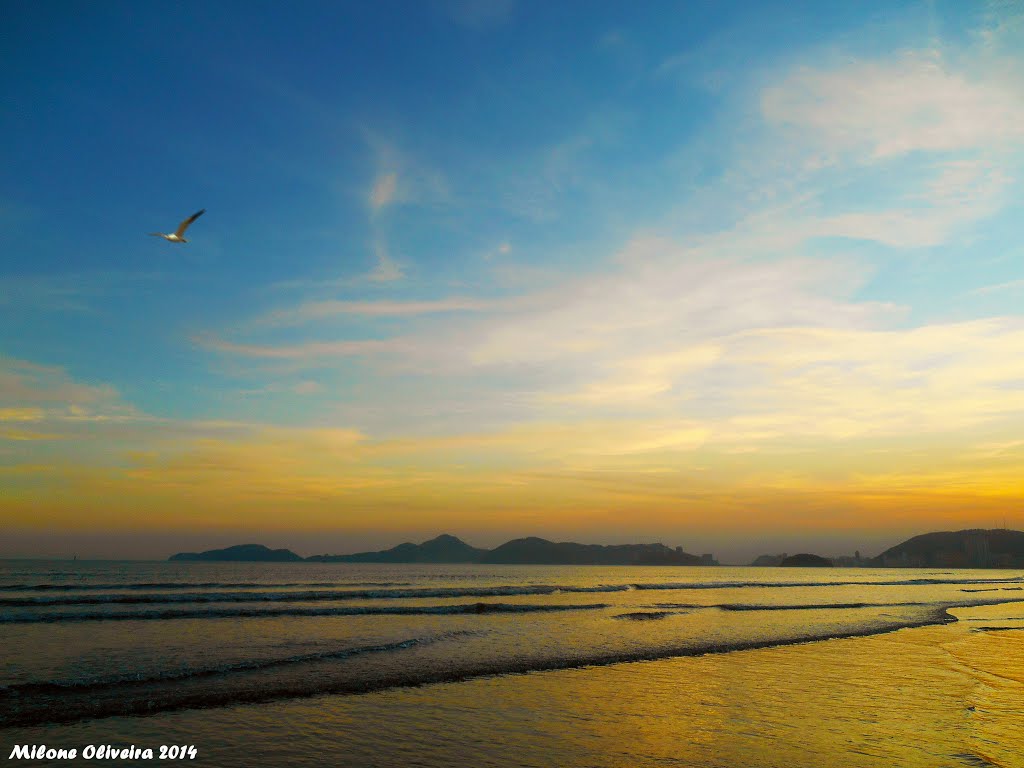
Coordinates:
[179,235]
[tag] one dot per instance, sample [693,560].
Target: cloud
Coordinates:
[20,434]
[33,392]
[73,293]
[21,414]
[310,351]
[402,179]
[913,103]
[666,294]
[731,326]
[318,310]
[386,270]
[384,191]
[1011,285]
[638,379]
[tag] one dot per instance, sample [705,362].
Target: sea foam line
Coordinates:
[258,613]
[415,592]
[113,587]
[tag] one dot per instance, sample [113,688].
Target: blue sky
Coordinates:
[653,238]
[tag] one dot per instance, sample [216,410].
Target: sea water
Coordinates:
[358,664]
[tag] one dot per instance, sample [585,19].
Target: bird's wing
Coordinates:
[156,234]
[184,225]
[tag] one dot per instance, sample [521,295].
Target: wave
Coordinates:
[838,606]
[111,587]
[997,629]
[304,596]
[258,613]
[403,594]
[86,686]
[365,672]
[810,606]
[789,606]
[785,584]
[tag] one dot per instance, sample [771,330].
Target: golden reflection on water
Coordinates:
[922,698]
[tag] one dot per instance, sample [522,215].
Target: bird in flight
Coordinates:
[178,236]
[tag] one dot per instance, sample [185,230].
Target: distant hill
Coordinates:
[535,551]
[767,560]
[450,549]
[972,548]
[805,560]
[242,553]
[443,549]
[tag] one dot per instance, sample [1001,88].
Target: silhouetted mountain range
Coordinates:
[533,550]
[972,548]
[242,553]
[805,560]
[450,549]
[444,549]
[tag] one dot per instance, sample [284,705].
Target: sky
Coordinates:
[739,277]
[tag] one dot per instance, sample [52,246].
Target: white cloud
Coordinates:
[1010,285]
[317,310]
[892,108]
[665,294]
[49,392]
[402,179]
[311,350]
[384,191]
[386,270]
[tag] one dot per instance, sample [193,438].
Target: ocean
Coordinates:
[245,664]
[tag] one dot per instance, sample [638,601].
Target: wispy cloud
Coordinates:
[916,102]
[33,392]
[386,270]
[310,351]
[21,414]
[75,293]
[1011,285]
[384,190]
[318,310]
[402,179]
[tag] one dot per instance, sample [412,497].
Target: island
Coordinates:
[443,549]
[970,548]
[242,553]
[805,560]
[536,551]
[451,549]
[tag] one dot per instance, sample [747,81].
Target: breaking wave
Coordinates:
[224,613]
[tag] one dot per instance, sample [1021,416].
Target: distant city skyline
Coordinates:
[738,277]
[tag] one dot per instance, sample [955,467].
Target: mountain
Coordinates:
[762,561]
[449,549]
[972,548]
[805,560]
[535,551]
[443,549]
[241,553]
